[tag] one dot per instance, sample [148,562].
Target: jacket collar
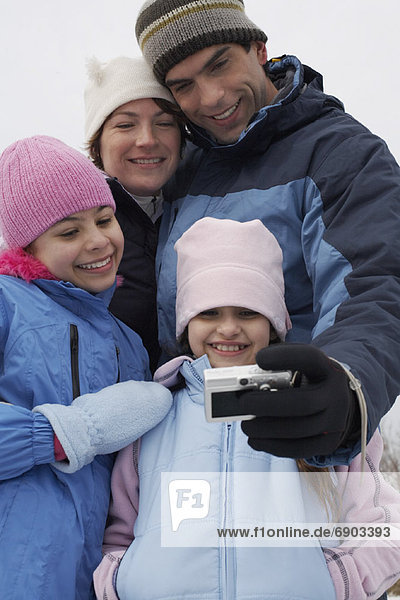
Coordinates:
[67,295]
[191,370]
[293,80]
[168,373]
[18,263]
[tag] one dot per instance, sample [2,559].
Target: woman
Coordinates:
[135,133]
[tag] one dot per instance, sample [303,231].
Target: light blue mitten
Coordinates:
[106,421]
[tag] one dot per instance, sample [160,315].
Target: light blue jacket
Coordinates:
[184,443]
[56,342]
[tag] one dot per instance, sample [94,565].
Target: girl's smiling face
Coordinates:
[85,248]
[229,335]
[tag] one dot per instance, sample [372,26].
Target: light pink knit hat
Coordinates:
[226,263]
[42,180]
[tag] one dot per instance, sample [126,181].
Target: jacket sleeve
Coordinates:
[367,569]
[121,519]
[351,246]
[26,440]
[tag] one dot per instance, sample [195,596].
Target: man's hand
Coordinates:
[299,422]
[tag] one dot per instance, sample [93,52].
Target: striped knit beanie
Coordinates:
[42,180]
[168,31]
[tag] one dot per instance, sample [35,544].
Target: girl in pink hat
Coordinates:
[61,352]
[201,485]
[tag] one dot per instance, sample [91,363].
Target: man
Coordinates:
[269,144]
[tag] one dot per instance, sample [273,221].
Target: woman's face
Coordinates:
[140,146]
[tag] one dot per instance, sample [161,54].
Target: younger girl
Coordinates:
[229,305]
[58,340]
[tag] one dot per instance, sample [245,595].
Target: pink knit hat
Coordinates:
[42,180]
[227,263]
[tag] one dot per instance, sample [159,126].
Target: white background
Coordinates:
[44,46]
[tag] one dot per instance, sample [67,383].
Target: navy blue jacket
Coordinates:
[329,190]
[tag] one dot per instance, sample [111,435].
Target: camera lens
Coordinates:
[243,381]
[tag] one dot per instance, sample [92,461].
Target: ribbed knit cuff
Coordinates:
[42,440]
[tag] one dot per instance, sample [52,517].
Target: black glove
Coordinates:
[299,422]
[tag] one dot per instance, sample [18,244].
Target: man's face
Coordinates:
[221,87]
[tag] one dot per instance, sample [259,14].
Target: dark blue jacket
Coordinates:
[329,190]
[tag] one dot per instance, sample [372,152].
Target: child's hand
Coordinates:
[299,422]
[107,420]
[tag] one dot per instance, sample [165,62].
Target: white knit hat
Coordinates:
[112,84]
[227,263]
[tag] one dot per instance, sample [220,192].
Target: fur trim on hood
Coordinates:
[18,263]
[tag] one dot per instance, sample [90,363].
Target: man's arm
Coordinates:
[351,249]
[359,183]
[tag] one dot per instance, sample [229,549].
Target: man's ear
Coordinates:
[261,51]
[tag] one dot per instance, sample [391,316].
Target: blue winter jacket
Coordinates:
[193,563]
[329,190]
[57,341]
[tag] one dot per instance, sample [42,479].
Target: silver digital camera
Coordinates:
[222,387]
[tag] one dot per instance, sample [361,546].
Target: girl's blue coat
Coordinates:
[56,341]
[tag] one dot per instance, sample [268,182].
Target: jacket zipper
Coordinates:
[135,456]
[119,372]
[74,348]
[229,552]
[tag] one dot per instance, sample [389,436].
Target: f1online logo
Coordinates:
[188,499]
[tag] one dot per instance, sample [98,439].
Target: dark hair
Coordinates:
[93,144]
[182,343]
[247,46]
